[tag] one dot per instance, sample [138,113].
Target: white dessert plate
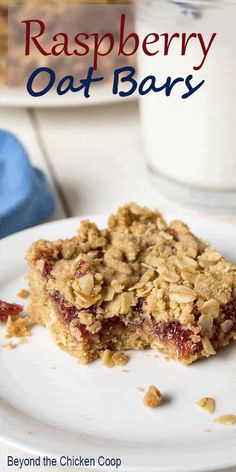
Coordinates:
[17,97]
[51,405]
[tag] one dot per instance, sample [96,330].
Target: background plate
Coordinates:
[50,404]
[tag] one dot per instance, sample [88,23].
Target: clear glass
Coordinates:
[190,143]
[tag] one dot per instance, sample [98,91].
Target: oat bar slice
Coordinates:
[138,283]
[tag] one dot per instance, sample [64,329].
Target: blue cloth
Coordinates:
[25,196]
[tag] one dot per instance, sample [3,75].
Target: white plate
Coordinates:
[13,97]
[52,405]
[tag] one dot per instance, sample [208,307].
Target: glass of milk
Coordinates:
[190,143]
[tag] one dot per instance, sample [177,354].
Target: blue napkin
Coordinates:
[25,196]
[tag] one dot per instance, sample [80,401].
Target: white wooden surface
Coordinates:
[94,159]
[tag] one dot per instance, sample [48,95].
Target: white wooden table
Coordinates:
[94,159]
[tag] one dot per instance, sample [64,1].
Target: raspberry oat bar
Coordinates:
[138,283]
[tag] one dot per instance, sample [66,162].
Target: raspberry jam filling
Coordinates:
[49,263]
[111,325]
[82,268]
[70,312]
[67,310]
[9,309]
[228,311]
[174,333]
[173,233]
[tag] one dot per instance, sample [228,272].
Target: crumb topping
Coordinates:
[134,257]
[153,397]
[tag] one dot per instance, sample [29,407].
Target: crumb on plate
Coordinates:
[206,430]
[23,293]
[153,397]
[207,404]
[23,340]
[9,346]
[110,358]
[225,419]
[140,389]
[18,328]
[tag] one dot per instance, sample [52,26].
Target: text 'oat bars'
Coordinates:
[138,283]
